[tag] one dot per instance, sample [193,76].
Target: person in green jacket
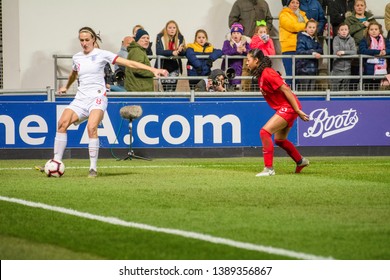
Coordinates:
[136,79]
[358,20]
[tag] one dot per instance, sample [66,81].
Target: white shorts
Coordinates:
[84,107]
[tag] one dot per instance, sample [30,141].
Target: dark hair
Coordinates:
[95,37]
[367,36]
[264,62]
[342,24]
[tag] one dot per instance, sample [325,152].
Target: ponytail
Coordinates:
[264,62]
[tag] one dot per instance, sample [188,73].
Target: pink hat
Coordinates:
[237,27]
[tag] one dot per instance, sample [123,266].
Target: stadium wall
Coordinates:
[219,127]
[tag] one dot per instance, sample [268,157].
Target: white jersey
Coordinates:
[90,70]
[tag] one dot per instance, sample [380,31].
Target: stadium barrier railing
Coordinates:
[323,85]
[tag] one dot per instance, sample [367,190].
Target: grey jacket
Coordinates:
[247,12]
[348,46]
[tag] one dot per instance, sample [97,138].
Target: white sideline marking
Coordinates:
[100,167]
[135,167]
[188,234]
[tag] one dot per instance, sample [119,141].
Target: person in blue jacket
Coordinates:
[200,66]
[314,10]
[307,44]
[376,45]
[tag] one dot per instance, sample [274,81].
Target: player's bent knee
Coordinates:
[279,142]
[264,133]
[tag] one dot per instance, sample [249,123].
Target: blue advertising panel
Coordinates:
[162,124]
[346,123]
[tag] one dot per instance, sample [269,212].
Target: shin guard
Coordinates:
[289,148]
[268,147]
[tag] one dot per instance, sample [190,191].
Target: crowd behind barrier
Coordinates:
[323,80]
[323,84]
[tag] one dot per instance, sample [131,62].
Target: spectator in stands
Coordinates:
[261,39]
[287,106]
[307,44]
[324,5]
[138,79]
[337,9]
[291,21]
[149,50]
[90,101]
[376,45]
[387,26]
[119,73]
[247,12]
[123,50]
[136,27]
[216,82]
[237,46]
[343,44]
[200,66]
[358,22]
[170,43]
[313,10]
[387,20]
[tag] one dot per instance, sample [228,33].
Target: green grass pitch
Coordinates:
[197,209]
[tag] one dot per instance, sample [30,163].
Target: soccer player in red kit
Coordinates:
[287,106]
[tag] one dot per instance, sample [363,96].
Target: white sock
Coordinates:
[60,142]
[93,152]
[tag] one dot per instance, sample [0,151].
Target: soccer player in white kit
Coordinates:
[91,99]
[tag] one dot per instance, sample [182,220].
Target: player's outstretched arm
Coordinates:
[134,64]
[71,79]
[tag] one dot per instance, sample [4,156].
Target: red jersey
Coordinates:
[269,84]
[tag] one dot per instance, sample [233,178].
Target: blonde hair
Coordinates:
[364,1]
[175,38]
[136,27]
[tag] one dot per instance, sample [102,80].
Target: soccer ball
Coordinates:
[54,168]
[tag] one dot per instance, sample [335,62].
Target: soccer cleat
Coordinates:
[266,172]
[92,173]
[39,168]
[300,166]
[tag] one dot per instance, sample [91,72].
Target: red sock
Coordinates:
[268,147]
[289,148]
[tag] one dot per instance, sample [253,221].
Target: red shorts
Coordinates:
[288,114]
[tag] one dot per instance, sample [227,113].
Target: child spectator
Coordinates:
[307,44]
[200,66]
[314,10]
[236,46]
[343,44]
[170,42]
[261,39]
[376,45]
